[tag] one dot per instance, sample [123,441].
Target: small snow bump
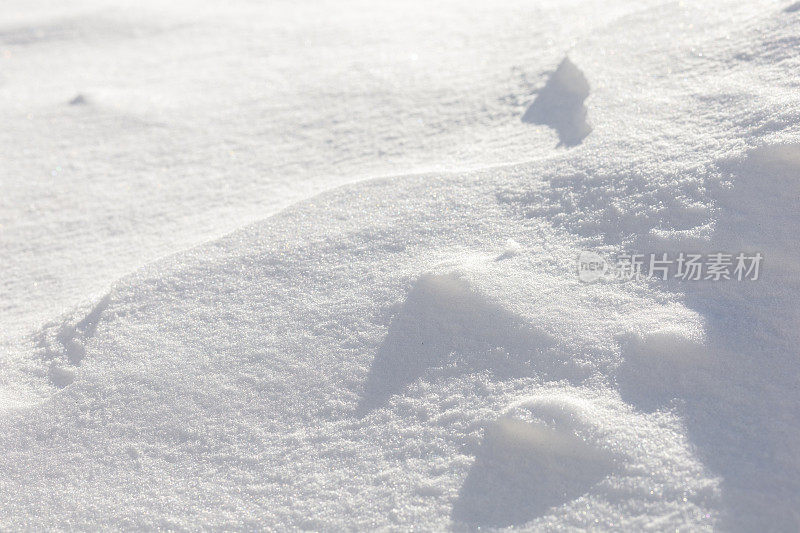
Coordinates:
[132,452]
[79,99]
[521,470]
[429,490]
[510,249]
[445,321]
[61,376]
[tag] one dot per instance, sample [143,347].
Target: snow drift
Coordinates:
[417,351]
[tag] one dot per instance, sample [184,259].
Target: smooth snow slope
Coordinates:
[419,352]
[135,129]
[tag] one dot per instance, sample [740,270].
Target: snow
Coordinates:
[313,266]
[560,104]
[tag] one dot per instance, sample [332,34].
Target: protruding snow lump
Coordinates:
[560,104]
[79,99]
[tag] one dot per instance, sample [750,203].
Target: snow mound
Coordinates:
[554,453]
[325,369]
[280,333]
[374,351]
[560,104]
[444,322]
[522,469]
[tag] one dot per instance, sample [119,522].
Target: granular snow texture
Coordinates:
[414,351]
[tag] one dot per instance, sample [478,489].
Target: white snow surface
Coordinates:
[395,337]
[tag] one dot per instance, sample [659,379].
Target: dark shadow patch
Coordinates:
[662,367]
[738,395]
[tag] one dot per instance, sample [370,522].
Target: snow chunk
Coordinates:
[560,104]
[511,249]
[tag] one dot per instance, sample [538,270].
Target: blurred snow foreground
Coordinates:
[415,351]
